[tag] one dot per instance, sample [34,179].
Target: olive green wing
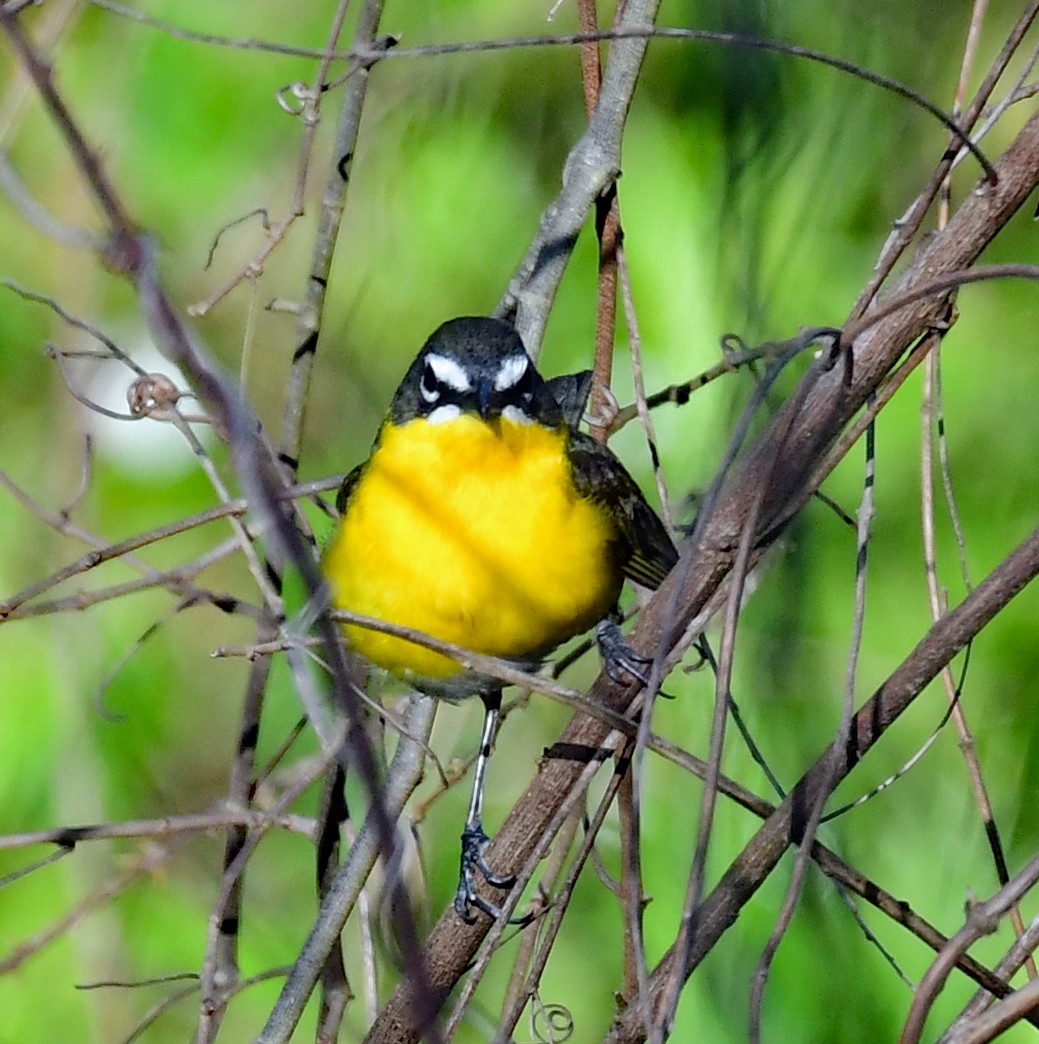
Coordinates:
[647,553]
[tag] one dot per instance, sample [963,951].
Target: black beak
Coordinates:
[485,399]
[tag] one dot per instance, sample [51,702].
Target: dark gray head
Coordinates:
[474,364]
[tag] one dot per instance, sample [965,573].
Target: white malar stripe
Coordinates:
[511,372]
[515,414]
[447,412]
[449,372]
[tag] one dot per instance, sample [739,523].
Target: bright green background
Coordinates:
[756,193]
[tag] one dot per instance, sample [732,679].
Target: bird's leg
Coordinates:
[474,837]
[618,657]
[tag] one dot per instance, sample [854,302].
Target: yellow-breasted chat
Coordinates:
[485,518]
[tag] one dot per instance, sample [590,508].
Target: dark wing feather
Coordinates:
[571,391]
[646,552]
[348,486]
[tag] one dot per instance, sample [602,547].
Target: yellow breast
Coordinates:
[471,532]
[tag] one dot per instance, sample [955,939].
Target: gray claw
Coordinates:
[474,845]
[619,658]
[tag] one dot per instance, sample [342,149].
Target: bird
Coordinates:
[484,517]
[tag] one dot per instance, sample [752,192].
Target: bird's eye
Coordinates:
[429,385]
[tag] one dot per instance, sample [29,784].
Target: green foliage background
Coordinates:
[756,193]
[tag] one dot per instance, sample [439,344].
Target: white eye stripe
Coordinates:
[511,372]
[448,372]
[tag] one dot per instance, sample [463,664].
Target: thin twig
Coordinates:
[560,901]
[607,230]
[192,822]
[332,205]
[999,1017]
[757,859]
[664,1010]
[909,224]
[815,812]
[147,861]
[982,919]
[641,405]
[177,579]
[932,417]
[113,551]
[1021,949]
[402,777]
[591,168]
[222,947]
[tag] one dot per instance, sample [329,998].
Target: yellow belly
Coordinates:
[472,533]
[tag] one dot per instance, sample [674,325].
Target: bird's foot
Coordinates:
[474,845]
[619,658]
